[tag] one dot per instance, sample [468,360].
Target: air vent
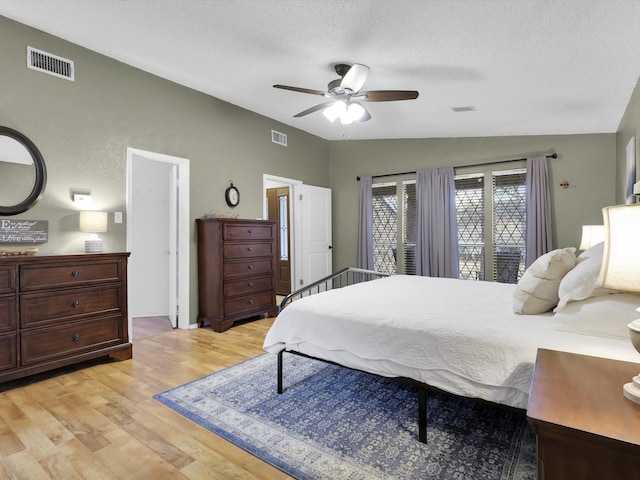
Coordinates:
[463,109]
[279,138]
[48,63]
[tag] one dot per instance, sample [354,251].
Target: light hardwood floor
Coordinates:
[101,422]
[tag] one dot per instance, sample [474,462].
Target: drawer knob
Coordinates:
[75,273]
[249,231]
[250,267]
[250,284]
[75,303]
[249,249]
[250,302]
[76,337]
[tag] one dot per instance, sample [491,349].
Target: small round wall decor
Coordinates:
[232,195]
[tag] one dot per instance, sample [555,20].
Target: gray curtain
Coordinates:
[538,210]
[365,226]
[436,224]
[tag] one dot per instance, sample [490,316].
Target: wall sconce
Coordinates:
[94,223]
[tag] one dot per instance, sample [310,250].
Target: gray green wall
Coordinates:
[628,128]
[587,162]
[83,129]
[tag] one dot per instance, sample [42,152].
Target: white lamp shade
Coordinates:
[591,235]
[621,260]
[94,222]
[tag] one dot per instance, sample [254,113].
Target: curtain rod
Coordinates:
[553,155]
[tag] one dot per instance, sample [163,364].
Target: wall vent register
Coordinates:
[279,138]
[51,64]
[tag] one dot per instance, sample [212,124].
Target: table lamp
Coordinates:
[591,235]
[621,268]
[94,223]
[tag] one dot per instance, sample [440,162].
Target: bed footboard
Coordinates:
[342,278]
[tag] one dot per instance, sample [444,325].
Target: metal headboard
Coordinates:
[342,278]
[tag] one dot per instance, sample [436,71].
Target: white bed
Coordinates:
[457,335]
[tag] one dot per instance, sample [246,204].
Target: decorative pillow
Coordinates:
[581,282]
[537,290]
[606,316]
[596,251]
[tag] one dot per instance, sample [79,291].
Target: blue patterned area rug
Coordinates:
[335,423]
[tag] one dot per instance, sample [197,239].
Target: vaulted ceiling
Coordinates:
[524,67]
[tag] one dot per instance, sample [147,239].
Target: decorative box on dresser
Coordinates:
[61,309]
[236,270]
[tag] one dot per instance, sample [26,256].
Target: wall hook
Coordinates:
[564,184]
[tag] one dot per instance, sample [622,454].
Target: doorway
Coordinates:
[278,201]
[158,236]
[310,254]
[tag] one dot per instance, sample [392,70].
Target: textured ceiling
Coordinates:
[528,67]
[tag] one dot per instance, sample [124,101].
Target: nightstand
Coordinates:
[585,427]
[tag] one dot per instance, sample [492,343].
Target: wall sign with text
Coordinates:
[24,231]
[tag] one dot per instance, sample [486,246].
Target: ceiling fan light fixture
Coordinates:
[335,110]
[353,114]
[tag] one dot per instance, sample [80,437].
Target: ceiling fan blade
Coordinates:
[298,89]
[365,116]
[356,76]
[315,108]
[390,95]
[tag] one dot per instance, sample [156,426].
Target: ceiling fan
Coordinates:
[344,95]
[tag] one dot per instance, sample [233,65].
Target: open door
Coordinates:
[173,245]
[315,229]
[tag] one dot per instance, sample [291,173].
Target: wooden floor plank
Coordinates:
[99,420]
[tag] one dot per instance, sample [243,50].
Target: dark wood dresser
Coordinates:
[236,270]
[61,309]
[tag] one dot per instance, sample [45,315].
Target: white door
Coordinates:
[172,235]
[315,225]
[150,247]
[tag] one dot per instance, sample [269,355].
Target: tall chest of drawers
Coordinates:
[236,270]
[60,310]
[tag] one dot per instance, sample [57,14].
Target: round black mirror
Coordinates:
[23,174]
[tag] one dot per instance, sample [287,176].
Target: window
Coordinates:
[394,225]
[499,208]
[491,225]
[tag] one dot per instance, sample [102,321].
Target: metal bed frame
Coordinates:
[349,276]
[342,278]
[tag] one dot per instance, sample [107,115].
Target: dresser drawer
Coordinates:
[48,343]
[264,301]
[247,250]
[249,267]
[66,305]
[8,354]
[7,279]
[68,275]
[247,231]
[233,288]
[7,314]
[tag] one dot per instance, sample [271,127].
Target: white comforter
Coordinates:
[460,336]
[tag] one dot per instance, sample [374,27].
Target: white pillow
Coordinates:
[537,290]
[606,316]
[596,251]
[581,282]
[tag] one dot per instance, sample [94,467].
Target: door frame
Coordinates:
[182,198]
[270,181]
